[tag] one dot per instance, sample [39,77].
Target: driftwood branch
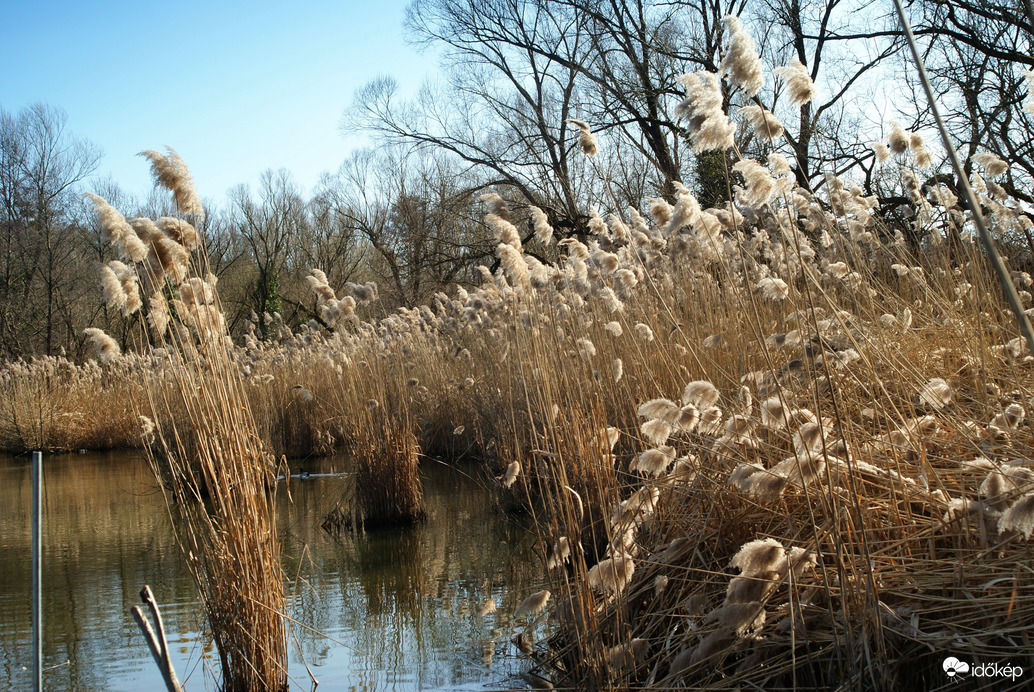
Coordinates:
[157,644]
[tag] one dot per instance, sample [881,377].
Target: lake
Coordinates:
[388,610]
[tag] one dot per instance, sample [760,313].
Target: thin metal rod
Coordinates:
[37,566]
[1004,280]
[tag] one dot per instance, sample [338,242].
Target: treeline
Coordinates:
[519,80]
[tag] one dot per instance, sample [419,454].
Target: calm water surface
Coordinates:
[399,609]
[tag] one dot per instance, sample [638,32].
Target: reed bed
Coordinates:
[780,444]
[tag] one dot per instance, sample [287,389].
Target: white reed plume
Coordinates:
[701,394]
[685,213]
[741,61]
[687,418]
[654,462]
[107,348]
[617,369]
[1010,419]
[111,289]
[586,348]
[919,151]
[1029,105]
[663,409]
[543,231]
[708,125]
[560,554]
[759,556]
[750,589]
[992,165]
[506,231]
[881,150]
[626,656]
[513,264]
[612,575]
[614,328]
[936,393]
[773,288]
[496,204]
[898,140]
[302,393]
[778,164]
[760,185]
[117,230]
[1019,517]
[180,231]
[644,332]
[158,315]
[532,604]
[512,472]
[586,140]
[657,431]
[798,82]
[172,173]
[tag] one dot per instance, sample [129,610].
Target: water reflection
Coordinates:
[400,609]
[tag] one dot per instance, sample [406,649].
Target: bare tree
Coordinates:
[416,217]
[270,227]
[42,237]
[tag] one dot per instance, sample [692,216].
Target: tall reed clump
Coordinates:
[373,395]
[219,478]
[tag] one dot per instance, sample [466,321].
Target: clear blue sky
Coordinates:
[234,87]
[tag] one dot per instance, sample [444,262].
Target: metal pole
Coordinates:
[37,604]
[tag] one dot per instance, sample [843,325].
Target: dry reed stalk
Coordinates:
[219,478]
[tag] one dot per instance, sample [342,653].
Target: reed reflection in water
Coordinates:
[404,605]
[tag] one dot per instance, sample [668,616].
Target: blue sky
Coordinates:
[234,87]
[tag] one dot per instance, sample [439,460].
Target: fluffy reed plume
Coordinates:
[532,604]
[644,331]
[654,462]
[881,150]
[512,471]
[760,185]
[111,289]
[773,288]
[741,61]
[898,140]
[543,231]
[617,370]
[586,140]
[1019,517]
[106,348]
[663,409]
[919,150]
[708,125]
[936,393]
[701,394]
[612,574]
[172,173]
[759,557]
[656,432]
[180,231]
[158,316]
[762,121]
[800,88]
[992,165]
[115,229]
